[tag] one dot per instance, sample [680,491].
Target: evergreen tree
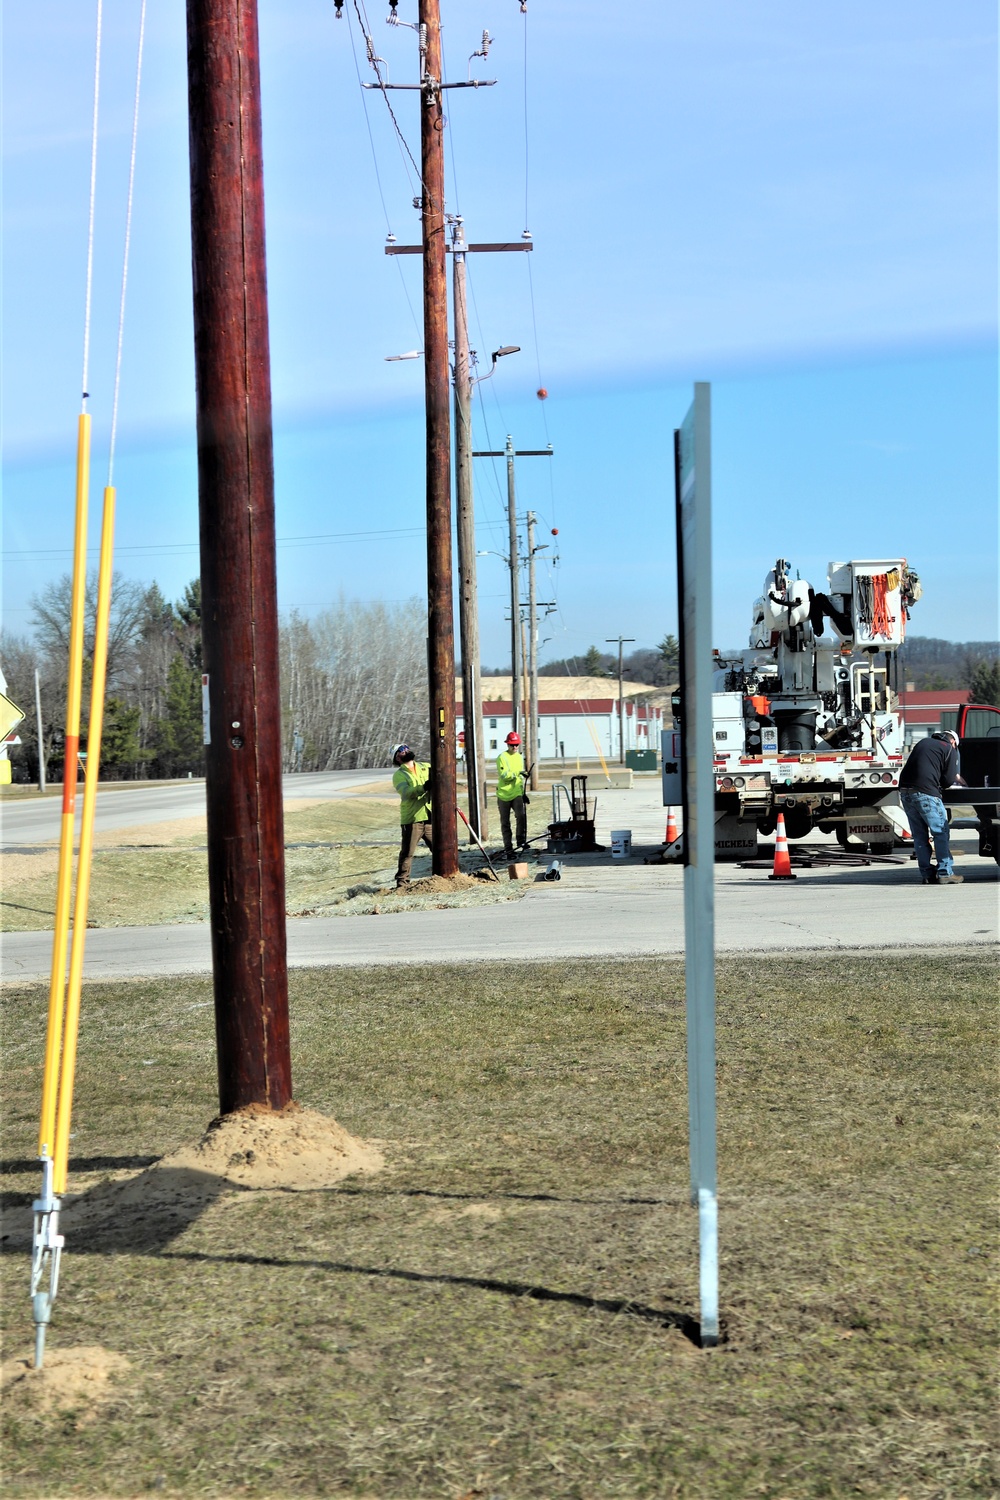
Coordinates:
[984,683]
[121,752]
[670,655]
[178,735]
[593,663]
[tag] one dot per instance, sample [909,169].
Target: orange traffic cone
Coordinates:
[671,837]
[782,861]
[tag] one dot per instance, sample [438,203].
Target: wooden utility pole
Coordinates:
[513,561]
[509,452]
[621,640]
[532,656]
[468,602]
[246,870]
[440,617]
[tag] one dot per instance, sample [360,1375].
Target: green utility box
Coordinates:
[641,760]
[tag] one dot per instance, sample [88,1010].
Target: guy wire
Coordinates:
[93,194]
[128,240]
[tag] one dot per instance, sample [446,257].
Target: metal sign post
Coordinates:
[693,494]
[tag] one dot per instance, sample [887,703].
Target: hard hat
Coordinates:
[513,738]
[947,734]
[397,751]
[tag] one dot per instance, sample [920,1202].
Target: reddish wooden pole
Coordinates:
[246,869]
[437,387]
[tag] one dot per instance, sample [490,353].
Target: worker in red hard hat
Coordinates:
[510,794]
[412,780]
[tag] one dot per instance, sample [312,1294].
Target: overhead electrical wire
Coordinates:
[374,61]
[89,294]
[128,241]
[378,179]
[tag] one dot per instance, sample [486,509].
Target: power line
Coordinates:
[378,178]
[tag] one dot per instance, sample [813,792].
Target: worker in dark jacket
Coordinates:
[932,767]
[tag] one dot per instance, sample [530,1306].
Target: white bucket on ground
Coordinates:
[621,843]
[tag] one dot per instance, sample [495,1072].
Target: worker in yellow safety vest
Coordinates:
[510,794]
[412,780]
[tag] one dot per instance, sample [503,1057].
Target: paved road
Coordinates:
[602,908]
[36,820]
[630,911]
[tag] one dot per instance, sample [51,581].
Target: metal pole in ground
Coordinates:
[468,602]
[440,617]
[246,867]
[41,735]
[693,487]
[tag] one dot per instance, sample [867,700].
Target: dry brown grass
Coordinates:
[506,1308]
[340,857]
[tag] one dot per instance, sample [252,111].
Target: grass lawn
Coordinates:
[506,1309]
[333,849]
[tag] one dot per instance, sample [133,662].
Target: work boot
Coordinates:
[402,885]
[951,880]
[931,878]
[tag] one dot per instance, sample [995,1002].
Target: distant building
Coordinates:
[922,710]
[577,716]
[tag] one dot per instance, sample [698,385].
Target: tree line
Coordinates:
[654,665]
[353,682]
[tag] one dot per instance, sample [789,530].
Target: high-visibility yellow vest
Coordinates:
[510,775]
[413,783]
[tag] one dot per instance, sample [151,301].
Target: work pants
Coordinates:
[928,819]
[410,835]
[521,821]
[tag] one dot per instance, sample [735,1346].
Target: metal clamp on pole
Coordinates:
[46,1252]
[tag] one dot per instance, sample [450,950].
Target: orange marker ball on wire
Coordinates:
[541,393]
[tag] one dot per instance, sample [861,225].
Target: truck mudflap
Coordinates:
[868,827]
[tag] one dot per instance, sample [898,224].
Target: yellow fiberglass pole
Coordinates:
[94,732]
[64,882]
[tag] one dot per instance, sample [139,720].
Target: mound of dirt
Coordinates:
[436,885]
[262,1148]
[70,1379]
[294,1149]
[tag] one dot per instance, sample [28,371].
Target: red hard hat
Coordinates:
[513,738]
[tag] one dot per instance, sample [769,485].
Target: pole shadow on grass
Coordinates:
[663,1317]
[489,1194]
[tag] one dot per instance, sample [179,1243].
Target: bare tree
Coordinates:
[354,681]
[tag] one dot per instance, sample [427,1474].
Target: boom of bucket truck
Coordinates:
[807,720]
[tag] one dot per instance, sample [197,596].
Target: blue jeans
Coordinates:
[927,818]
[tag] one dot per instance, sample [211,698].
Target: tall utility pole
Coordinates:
[246,864]
[440,618]
[41,735]
[509,452]
[515,590]
[467,593]
[621,640]
[468,605]
[532,656]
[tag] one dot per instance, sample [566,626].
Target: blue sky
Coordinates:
[796,203]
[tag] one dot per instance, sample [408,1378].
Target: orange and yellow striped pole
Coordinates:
[67,1072]
[64,884]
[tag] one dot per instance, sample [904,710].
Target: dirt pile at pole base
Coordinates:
[75,1379]
[292,1148]
[256,1149]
